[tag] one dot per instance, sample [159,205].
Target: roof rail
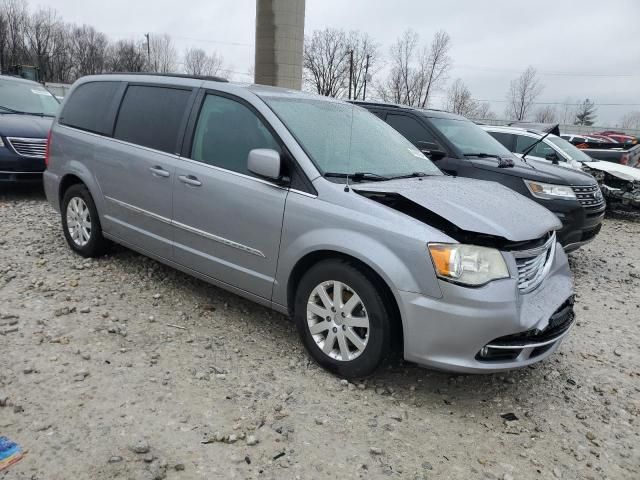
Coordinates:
[177,75]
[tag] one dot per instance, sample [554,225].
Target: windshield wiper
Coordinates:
[18,112]
[502,162]
[412,174]
[358,176]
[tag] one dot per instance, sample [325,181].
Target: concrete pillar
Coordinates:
[279,42]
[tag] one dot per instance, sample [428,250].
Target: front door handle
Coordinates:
[190,180]
[159,171]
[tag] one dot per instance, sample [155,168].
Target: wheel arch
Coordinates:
[317,256]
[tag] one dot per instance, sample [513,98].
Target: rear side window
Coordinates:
[410,128]
[89,107]
[152,117]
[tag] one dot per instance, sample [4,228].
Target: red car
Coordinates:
[619,137]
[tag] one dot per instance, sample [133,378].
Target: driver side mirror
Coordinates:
[553,157]
[431,150]
[265,163]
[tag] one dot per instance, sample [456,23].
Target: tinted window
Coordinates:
[540,150]
[505,139]
[152,117]
[226,132]
[411,128]
[89,105]
[468,137]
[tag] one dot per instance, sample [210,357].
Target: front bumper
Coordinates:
[450,332]
[580,224]
[16,168]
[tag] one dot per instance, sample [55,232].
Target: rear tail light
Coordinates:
[624,159]
[47,150]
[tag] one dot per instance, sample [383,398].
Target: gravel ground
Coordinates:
[121,367]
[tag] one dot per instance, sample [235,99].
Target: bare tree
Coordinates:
[126,56]
[586,113]
[326,62]
[14,13]
[631,120]
[197,62]
[40,31]
[484,112]
[459,100]
[522,94]
[89,48]
[568,111]
[416,71]
[163,57]
[546,114]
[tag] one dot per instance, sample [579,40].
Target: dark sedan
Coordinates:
[26,112]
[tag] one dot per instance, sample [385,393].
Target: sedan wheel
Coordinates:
[79,221]
[338,321]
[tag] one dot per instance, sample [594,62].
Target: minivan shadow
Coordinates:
[21,191]
[401,380]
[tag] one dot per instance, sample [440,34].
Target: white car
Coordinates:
[619,183]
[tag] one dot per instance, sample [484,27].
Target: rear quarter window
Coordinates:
[89,107]
[152,117]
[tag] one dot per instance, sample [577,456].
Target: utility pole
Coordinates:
[366,74]
[148,49]
[350,71]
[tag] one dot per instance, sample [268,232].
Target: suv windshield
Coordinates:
[469,138]
[342,139]
[30,98]
[573,152]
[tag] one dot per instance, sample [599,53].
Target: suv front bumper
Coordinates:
[453,332]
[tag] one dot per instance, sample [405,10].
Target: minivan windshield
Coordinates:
[344,139]
[26,98]
[573,152]
[469,138]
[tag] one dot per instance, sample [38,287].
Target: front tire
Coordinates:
[342,318]
[80,222]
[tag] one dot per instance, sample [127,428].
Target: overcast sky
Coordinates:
[581,48]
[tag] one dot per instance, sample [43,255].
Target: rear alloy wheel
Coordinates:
[80,222]
[342,319]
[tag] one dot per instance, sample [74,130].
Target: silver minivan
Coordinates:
[318,209]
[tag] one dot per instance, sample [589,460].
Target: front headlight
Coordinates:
[467,264]
[550,191]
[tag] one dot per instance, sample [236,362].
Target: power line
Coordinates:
[544,73]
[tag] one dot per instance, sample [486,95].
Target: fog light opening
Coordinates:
[484,351]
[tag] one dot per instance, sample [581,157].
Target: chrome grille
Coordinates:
[534,264]
[589,196]
[28,147]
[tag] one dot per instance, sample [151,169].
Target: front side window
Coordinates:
[23,97]
[226,132]
[571,151]
[341,138]
[413,130]
[152,117]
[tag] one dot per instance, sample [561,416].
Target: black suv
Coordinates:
[26,113]
[460,147]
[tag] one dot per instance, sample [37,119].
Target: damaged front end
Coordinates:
[621,191]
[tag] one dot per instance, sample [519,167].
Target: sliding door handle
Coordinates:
[190,180]
[159,171]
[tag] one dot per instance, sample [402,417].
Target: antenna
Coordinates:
[346,187]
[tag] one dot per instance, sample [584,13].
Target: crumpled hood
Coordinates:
[621,171]
[28,126]
[473,205]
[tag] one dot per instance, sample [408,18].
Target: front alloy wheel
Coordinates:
[338,320]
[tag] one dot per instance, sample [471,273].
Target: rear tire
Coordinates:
[342,318]
[80,222]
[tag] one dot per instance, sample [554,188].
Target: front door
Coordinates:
[227,222]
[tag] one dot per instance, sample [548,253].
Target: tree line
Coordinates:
[335,63]
[64,51]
